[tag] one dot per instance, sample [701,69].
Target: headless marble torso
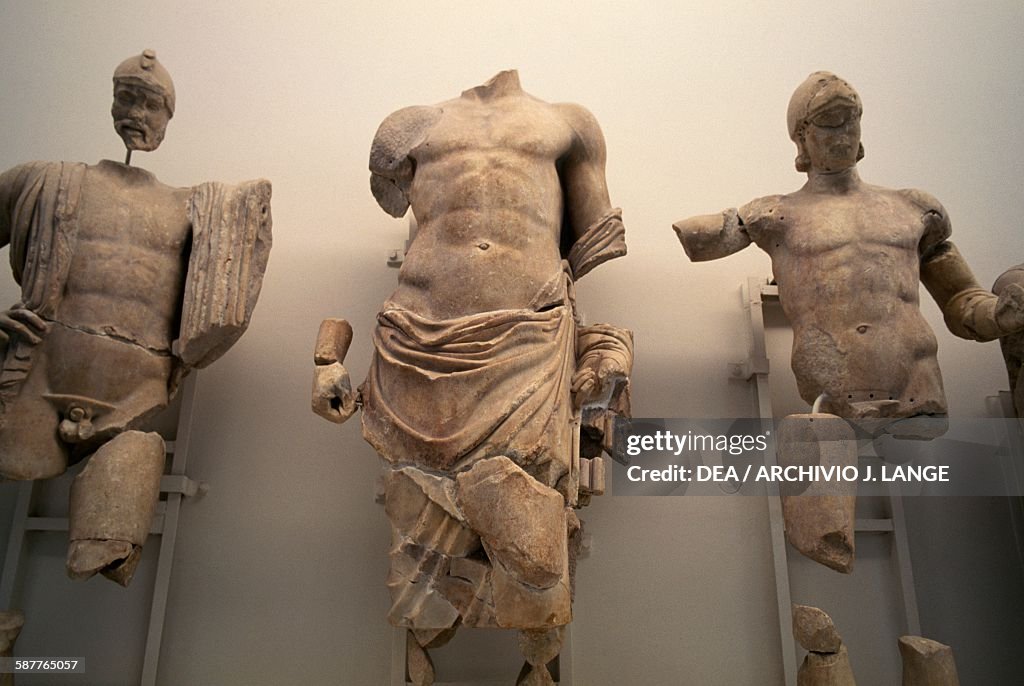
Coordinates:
[489,198]
[848,269]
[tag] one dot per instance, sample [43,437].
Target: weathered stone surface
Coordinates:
[421,507]
[480,368]
[231,227]
[540,647]
[535,675]
[126,283]
[814,630]
[1013,344]
[826,669]
[114,496]
[520,606]
[432,638]
[418,662]
[468,587]
[927,662]
[845,255]
[113,500]
[819,515]
[521,521]
[414,579]
[332,341]
[11,623]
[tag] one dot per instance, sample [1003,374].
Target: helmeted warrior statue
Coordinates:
[126,284]
[849,258]
[481,374]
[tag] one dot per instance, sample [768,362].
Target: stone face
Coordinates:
[927,662]
[819,515]
[480,372]
[126,284]
[814,630]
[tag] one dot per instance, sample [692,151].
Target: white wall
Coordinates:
[279,571]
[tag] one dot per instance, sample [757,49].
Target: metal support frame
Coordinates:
[756,292]
[176,485]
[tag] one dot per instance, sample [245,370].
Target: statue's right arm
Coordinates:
[17,320]
[391,166]
[10,188]
[333,397]
[710,236]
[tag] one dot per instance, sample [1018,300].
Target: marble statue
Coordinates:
[848,258]
[481,374]
[827,662]
[927,662]
[126,285]
[1013,344]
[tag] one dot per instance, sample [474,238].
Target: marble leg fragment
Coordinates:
[418,664]
[11,622]
[827,663]
[927,663]
[539,647]
[112,504]
[819,517]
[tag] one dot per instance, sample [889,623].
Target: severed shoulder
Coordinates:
[391,169]
[934,219]
[761,215]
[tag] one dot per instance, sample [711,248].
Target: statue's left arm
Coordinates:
[18,320]
[605,352]
[593,225]
[970,311]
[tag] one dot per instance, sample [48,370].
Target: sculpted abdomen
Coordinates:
[869,364]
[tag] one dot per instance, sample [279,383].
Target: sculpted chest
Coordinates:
[817,225]
[133,212]
[516,125]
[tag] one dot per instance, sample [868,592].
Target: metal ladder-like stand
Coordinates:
[175,485]
[757,293]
